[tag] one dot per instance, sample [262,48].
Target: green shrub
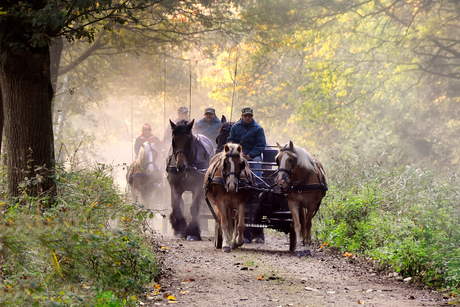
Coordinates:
[404,218]
[88,249]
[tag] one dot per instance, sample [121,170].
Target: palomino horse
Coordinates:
[227,173]
[143,174]
[302,178]
[186,168]
[224,132]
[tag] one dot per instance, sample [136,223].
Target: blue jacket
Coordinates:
[210,130]
[250,136]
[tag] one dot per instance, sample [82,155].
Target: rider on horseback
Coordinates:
[146,136]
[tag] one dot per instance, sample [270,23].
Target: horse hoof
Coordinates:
[226,249]
[302,253]
[259,241]
[235,246]
[193,238]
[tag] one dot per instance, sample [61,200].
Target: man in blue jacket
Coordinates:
[209,125]
[251,136]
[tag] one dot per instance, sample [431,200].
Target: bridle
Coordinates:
[237,175]
[177,152]
[291,153]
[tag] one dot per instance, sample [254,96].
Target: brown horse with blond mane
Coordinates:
[302,179]
[227,174]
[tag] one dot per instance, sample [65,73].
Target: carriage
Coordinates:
[268,205]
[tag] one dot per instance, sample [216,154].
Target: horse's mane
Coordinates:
[233,150]
[181,127]
[304,159]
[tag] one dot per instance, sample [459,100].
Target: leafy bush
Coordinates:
[404,218]
[88,249]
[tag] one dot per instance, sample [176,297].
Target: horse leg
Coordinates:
[176,218]
[238,239]
[294,207]
[307,241]
[226,220]
[193,228]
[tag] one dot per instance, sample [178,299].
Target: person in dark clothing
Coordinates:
[251,136]
[147,136]
[209,125]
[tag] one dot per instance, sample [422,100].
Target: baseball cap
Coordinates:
[182,110]
[210,110]
[247,110]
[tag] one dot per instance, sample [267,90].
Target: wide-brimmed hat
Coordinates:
[210,110]
[182,110]
[247,110]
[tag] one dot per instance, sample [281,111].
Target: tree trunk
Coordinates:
[27,104]
[2,121]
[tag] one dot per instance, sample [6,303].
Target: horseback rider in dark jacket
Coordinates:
[209,125]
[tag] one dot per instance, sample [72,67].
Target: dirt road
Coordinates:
[268,275]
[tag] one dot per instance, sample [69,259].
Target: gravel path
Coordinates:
[198,274]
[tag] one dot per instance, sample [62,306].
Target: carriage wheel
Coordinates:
[292,238]
[217,235]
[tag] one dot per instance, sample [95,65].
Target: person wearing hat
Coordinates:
[182,114]
[209,125]
[251,136]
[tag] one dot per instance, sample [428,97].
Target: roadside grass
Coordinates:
[404,218]
[89,248]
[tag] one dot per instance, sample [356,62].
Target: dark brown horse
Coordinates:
[226,174]
[303,179]
[224,132]
[186,168]
[143,174]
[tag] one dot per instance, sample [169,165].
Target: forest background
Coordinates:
[370,88]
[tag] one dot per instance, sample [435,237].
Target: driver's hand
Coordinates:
[247,157]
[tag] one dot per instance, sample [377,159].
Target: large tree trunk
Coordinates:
[1,121]
[27,97]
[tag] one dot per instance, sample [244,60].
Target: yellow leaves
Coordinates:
[56,263]
[260,278]
[171,298]
[348,255]
[91,207]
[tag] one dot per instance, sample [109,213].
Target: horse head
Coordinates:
[293,163]
[232,164]
[147,157]
[286,161]
[224,132]
[182,143]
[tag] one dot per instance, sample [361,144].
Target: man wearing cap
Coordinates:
[209,125]
[182,114]
[251,136]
